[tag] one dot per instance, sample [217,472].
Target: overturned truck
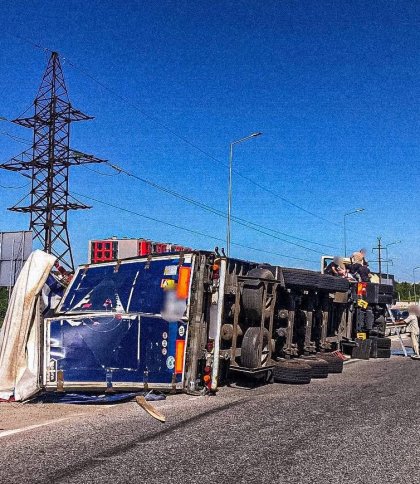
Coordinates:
[192,321]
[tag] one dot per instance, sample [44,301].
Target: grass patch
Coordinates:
[4,299]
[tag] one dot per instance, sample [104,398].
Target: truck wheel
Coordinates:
[252,294]
[386,289]
[385,299]
[300,278]
[292,371]
[335,364]
[319,366]
[384,353]
[250,349]
[332,283]
[383,343]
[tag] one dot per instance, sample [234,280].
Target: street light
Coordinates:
[414,283]
[386,250]
[345,234]
[253,135]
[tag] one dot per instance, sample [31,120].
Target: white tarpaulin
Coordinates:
[20,334]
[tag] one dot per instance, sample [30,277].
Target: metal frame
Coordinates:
[324,344]
[47,164]
[309,345]
[234,353]
[290,348]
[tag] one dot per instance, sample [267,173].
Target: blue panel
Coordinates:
[148,295]
[83,283]
[131,349]
[135,287]
[87,347]
[157,347]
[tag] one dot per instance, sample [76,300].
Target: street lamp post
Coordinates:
[387,260]
[414,283]
[228,235]
[345,234]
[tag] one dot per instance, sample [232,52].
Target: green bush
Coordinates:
[405,291]
[4,298]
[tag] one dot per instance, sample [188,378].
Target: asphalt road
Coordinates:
[357,427]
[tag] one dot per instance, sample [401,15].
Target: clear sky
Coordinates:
[332,85]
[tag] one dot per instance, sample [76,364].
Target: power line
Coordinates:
[246,223]
[173,132]
[14,187]
[196,147]
[185,229]
[99,172]
[16,138]
[185,140]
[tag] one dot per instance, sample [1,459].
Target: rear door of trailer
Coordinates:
[122,324]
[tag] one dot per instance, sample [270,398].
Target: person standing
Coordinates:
[336,267]
[359,257]
[413,328]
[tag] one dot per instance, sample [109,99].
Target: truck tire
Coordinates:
[319,366]
[335,364]
[384,353]
[292,371]
[385,299]
[252,294]
[383,343]
[373,347]
[301,278]
[386,289]
[369,319]
[250,349]
[360,319]
[332,283]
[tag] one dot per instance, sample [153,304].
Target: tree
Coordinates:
[405,291]
[4,299]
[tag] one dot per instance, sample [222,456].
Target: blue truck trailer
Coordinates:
[189,322]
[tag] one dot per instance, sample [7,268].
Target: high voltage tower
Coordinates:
[47,163]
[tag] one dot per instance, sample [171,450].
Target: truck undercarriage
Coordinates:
[192,321]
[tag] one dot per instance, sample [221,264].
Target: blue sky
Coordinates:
[332,85]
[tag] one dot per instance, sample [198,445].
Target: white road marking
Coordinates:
[6,433]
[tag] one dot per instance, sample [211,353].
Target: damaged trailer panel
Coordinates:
[184,322]
[121,325]
[152,322]
[129,286]
[120,352]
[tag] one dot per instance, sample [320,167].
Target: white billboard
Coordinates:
[15,248]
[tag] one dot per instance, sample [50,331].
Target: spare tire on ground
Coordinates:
[292,371]
[335,364]
[318,365]
[252,294]
[251,357]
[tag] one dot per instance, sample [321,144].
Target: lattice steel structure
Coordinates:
[47,163]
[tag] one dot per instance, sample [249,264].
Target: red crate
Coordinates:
[104,251]
[145,247]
